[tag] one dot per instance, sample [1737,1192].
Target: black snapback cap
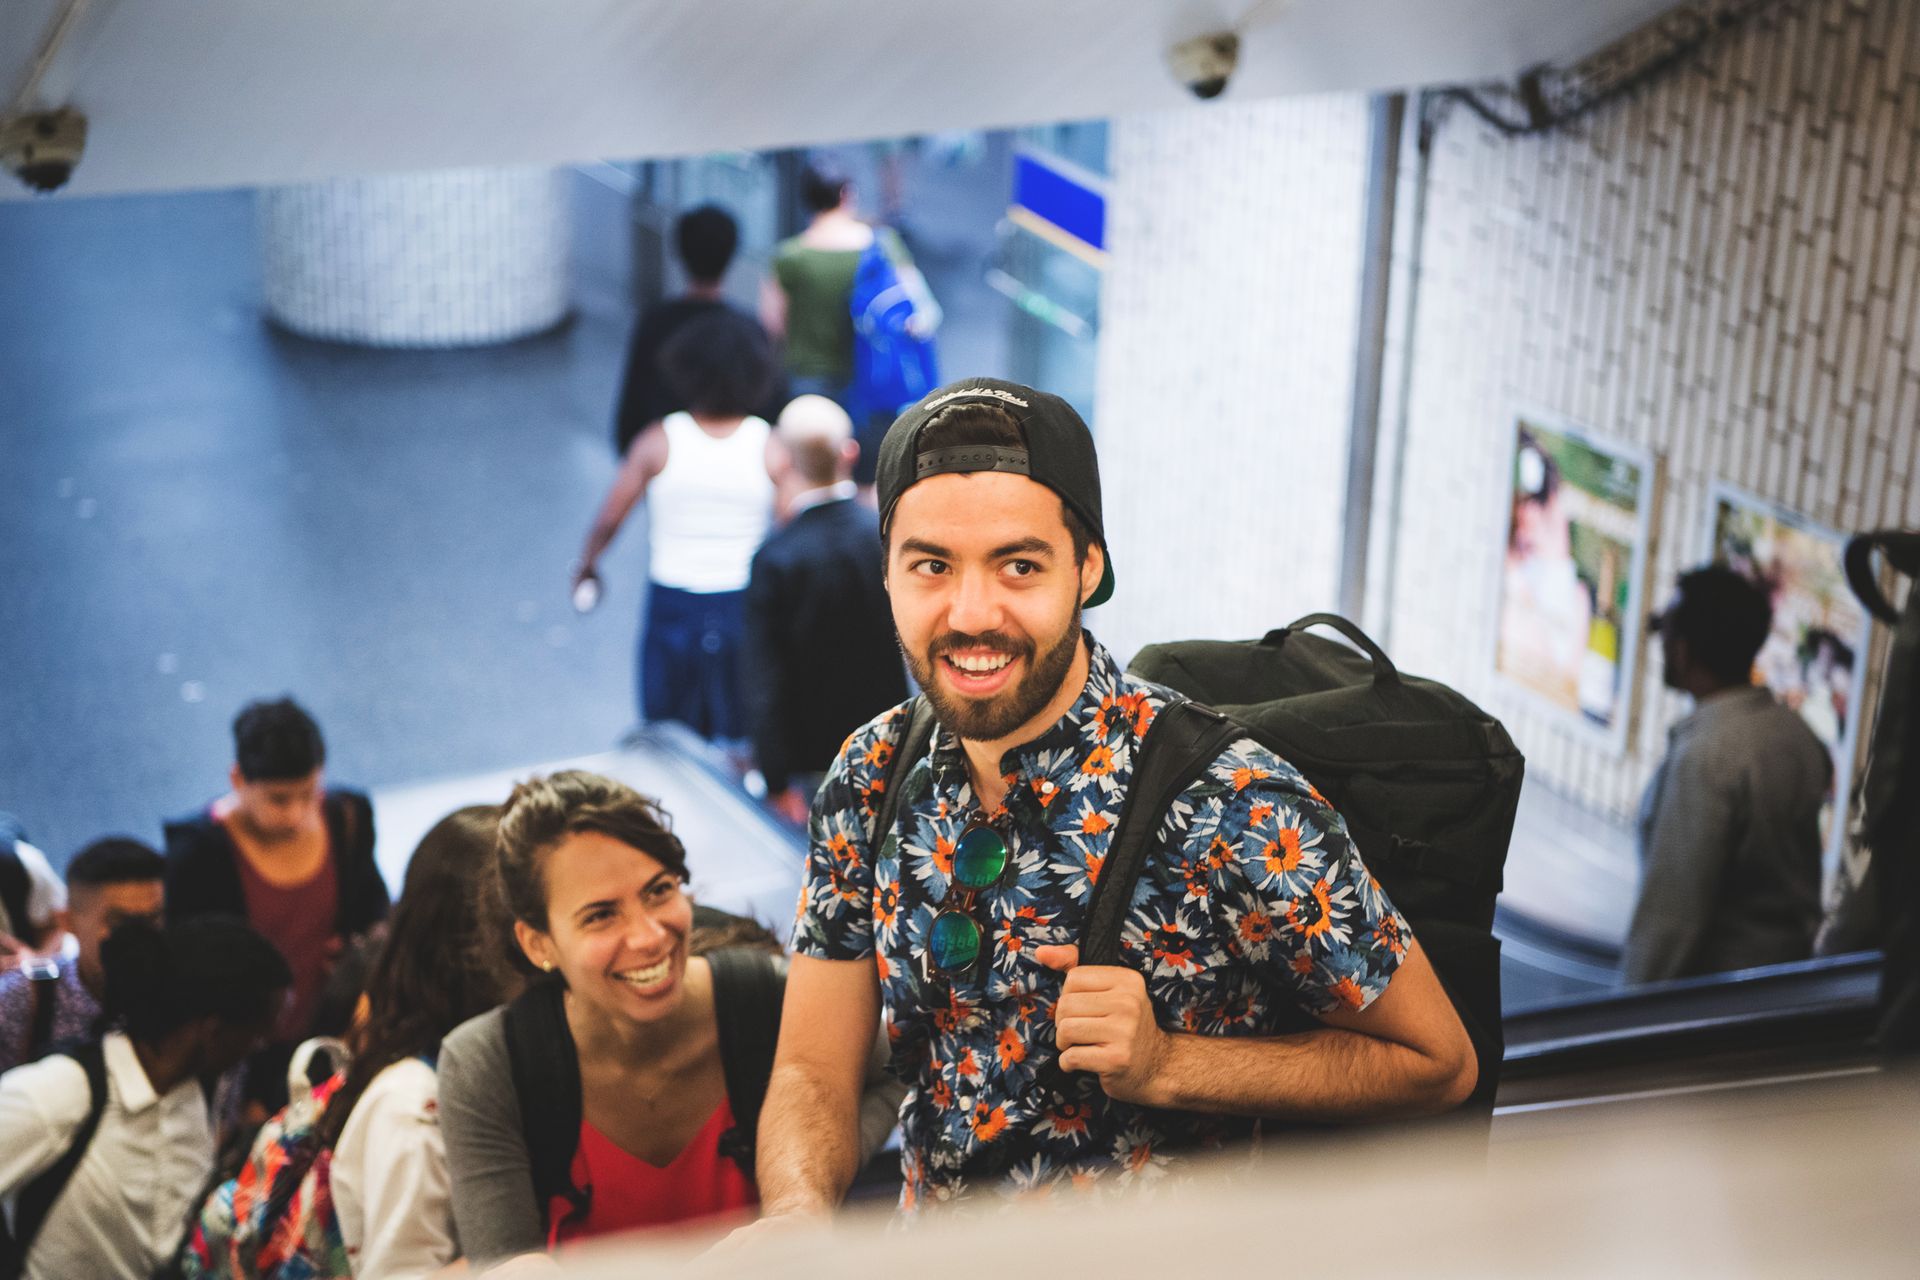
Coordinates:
[1059,454]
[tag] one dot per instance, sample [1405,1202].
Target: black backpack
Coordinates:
[1426,781]
[36,1199]
[1890,802]
[748,987]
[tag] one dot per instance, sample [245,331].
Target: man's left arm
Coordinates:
[1405,1054]
[1291,899]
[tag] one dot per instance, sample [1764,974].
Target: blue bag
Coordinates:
[894,316]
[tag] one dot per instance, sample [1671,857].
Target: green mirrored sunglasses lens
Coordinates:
[979,858]
[954,941]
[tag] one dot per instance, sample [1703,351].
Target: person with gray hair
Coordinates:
[821,656]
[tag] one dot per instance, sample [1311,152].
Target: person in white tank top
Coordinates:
[709,475]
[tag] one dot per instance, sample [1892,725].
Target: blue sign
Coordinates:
[1071,203]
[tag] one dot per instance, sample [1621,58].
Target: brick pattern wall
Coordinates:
[1226,358]
[1723,269]
[450,259]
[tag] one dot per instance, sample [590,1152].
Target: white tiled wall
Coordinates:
[449,259]
[1226,359]
[1723,269]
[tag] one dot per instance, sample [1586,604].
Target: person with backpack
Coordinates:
[960,843]
[57,998]
[289,853]
[622,1088]
[105,1144]
[824,301]
[352,1179]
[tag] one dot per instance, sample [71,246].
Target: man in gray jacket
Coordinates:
[1730,825]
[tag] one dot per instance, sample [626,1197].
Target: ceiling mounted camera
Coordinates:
[41,147]
[1206,63]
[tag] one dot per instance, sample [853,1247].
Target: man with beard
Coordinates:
[1025,1068]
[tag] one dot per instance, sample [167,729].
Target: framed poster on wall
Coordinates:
[1572,572]
[1815,658]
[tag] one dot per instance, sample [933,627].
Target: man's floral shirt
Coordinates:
[1253,907]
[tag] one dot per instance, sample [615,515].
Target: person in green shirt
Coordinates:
[807,304]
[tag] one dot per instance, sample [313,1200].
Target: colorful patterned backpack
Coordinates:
[276,1220]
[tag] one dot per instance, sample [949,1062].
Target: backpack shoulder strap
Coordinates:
[916,734]
[546,1080]
[1181,742]
[37,1198]
[748,989]
[45,989]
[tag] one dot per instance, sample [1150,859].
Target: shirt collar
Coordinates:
[130,1083]
[1721,706]
[807,499]
[1104,677]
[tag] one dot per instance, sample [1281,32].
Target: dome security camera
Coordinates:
[42,147]
[1205,63]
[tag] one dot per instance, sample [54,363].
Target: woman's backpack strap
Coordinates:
[748,988]
[546,1080]
[35,1200]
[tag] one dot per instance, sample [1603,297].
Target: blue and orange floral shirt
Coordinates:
[1253,908]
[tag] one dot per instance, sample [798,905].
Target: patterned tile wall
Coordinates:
[1723,269]
[451,259]
[1226,358]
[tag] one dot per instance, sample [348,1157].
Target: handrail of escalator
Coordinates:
[1825,1002]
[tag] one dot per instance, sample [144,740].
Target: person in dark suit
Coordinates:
[821,654]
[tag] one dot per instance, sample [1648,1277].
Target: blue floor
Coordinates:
[196,509]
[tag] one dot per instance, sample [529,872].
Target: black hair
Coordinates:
[973,423]
[706,238]
[823,186]
[720,364]
[158,980]
[436,968]
[543,811]
[115,860]
[1724,618]
[276,741]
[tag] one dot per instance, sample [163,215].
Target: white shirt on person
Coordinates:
[709,510]
[125,1208]
[389,1177]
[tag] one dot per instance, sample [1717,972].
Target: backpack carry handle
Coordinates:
[1901,550]
[1384,672]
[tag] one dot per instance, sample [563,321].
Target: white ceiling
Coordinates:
[213,93]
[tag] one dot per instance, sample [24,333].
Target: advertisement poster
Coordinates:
[1814,660]
[1571,575]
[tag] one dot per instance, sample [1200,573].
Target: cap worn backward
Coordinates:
[1059,454]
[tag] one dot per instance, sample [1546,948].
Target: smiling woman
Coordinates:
[622,1089]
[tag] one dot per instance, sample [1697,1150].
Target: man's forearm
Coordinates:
[1324,1074]
[809,1144]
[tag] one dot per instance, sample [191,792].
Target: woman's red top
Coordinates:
[625,1192]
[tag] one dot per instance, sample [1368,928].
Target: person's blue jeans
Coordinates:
[690,655]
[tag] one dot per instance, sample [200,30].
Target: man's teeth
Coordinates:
[990,662]
[651,976]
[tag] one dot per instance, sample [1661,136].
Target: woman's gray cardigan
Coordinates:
[493,1202]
